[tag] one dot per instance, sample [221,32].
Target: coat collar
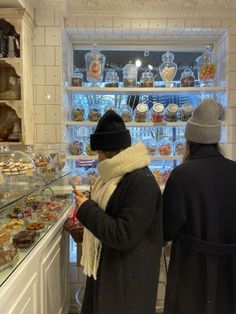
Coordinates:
[206,151]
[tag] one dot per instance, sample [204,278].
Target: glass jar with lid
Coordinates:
[165,173]
[141,112]
[172,112]
[165,147]
[76,148]
[42,160]
[147,79]
[206,67]
[186,112]
[168,68]
[157,113]
[130,72]
[78,113]
[94,113]
[77,80]
[111,78]
[95,62]
[151,145]
[187,78]
[179,147]
[126,113]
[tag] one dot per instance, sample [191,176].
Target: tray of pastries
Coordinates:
[37,225]
[24,239]
[8,257]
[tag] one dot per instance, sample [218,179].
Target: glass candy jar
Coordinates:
[91,176]
[78,113]
[186,112]
[94,113]
[111,79]
[126,113]
[147,79]
[168,68]
[95,62]
[157,113]
[76,148]
[206,67]
[172,113]
[77,80]
[130,72]
[141,113]
[165,147]
[187,78]
[151,145]
[179,147]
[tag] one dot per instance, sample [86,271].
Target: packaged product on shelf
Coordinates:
[77,80]
[187,78]
[78,114]
[111,79]
[76,148]
[206,67]
[172,113]
[179,147]
[151,145]
[130,72]
[157,113]
[92,174]
[94,113]
[141,112]
[147,79]
[165,147]
[168,68]
[186,112]
[126,113]
[95,62]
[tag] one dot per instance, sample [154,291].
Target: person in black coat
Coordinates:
[199,216]
[122,222]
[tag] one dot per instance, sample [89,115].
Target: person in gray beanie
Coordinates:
[199,218]
[122,221]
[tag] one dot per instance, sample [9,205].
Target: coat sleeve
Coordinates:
[174,209]
[138,207]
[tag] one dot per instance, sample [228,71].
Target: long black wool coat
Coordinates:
[200,218]
[131,234]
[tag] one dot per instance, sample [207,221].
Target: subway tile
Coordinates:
[39,114]
[52,36]
[230,24]
[45,95]
[85,23]
[38,36]
[232,44]
[58,94]
[175,23]
[45,56]
[232,98]
[60,136]
[44,17]
[70,22]
[139,23]
[46,133]
[121,23]
[157,23]
[193,23]
[53,113]
[39,75]
[53,75]
[211,23]
[232,80]
[230,116]
[232,62]
[58,54]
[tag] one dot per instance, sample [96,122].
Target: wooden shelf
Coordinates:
[140,90]
[129,124]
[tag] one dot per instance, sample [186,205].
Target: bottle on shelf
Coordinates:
[187,78]
[111,78]
[206,67]
[95,62]
[130,73]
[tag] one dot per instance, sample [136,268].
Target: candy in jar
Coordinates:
[151,145]
[165,147]
[168,69]
[157,113]
[179,147]
[94,113]
[187,78]
[141,112]
[172,113]
[186,112]
[76,148]
[206,67]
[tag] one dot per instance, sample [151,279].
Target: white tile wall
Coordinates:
[53,114]
[39,114]
[39,75]
[232,98]
[175,23]
[157,23]
[44,17]
[193,23]
[53,75]
[38,36]
[232,62]
[232,80]
[45,56]
[52,36]
[45,133]
[59,133]
[232,46]
[58,53]
[58,94]
[230,116]
[45,95]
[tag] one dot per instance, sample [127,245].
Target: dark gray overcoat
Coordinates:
[131,234]
[199,215]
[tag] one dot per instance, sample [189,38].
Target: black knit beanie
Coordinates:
[110,133]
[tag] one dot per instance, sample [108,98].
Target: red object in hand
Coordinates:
[74,215]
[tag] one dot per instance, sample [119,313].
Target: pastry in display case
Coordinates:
[15,162]
[27,218]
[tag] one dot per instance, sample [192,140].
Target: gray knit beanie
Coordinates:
[204,126]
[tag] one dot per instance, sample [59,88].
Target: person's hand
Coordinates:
[79,197]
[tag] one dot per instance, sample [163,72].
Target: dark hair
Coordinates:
[111,153]
[191,148]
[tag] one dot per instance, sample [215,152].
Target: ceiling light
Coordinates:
[138,63]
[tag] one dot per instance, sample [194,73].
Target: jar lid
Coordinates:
[142,107]
[187,108]
[158,107]
[172,108]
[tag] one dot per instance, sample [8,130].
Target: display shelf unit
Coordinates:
[129,124]
[139,90]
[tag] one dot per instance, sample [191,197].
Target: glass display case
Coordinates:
[27,215]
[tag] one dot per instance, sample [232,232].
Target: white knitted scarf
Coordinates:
[110,172]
